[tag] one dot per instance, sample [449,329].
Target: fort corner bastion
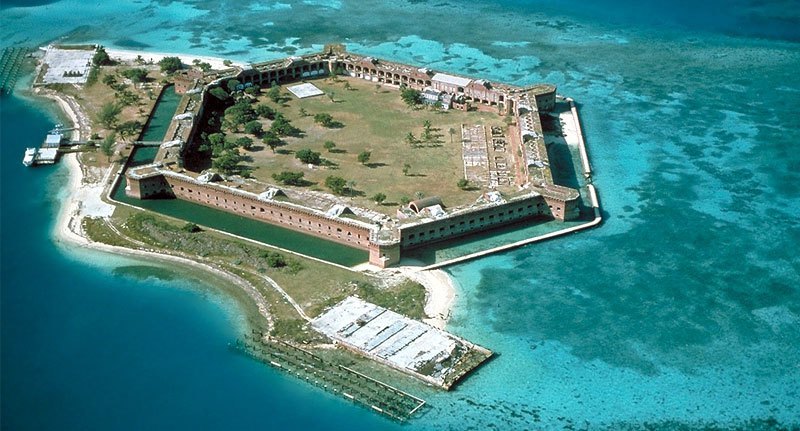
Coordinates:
[513,190]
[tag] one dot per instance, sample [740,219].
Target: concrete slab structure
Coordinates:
[67,66]
[406,344]
[305,90]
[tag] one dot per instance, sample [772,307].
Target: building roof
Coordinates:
[451,79]
[52,140]
[419,204]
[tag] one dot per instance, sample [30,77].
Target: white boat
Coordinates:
[30,156]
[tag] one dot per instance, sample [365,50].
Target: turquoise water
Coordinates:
[682,310]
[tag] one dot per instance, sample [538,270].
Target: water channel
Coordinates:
[231,223]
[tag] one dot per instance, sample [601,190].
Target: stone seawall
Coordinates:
[473,221]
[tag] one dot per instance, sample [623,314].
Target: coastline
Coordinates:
[440,293]
[84,198]
[126,55]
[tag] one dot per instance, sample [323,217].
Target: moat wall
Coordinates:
[249,205]
[473,221]
[555,201]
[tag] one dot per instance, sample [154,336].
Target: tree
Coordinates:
[127,97]
[303,112]
[323,119]
[227,63]
[463,183]
[227,162]
[307,156]
[452,132]
[405,200]
[271,140]
[219,93]
[265,111]
[129,128]
[191,228]
[274,259]
[136,75]
[283,127]
[108,115]
[411,139]
[202,65]
[170,65]
[244,142]
[363,157]
[107,146]
[411,97]
[426,130]
[110,80]
[232,85]
[336,184]
[254,128]
[419,195]
[274,94]
[406,169]
[329,145]
[289,178]
[379,198]
[347,86]
[101,58]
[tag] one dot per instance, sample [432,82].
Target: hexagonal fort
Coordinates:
[489,134]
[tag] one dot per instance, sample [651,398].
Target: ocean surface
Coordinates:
[681,311]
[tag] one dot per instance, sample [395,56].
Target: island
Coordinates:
[301,185]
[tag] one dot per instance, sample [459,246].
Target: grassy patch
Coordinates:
[376,121]
[407,298]
[312,284]
[97,230]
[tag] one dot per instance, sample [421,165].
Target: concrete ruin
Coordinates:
[408,345]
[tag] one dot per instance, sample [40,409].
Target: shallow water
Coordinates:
[681,309]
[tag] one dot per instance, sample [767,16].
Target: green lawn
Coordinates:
[378,121]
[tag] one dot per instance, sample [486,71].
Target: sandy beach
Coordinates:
[131,55]
[88,186]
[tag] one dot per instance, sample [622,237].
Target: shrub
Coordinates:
[307,156]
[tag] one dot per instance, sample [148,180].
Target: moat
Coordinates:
[496,145]
[366,164]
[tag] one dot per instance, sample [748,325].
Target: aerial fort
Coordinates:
[492,170]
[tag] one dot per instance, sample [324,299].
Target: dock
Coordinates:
[47,154]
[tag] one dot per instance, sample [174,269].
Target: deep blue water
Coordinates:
[682,309]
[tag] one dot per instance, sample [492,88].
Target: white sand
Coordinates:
[130,55]
[440,290]
[84,198]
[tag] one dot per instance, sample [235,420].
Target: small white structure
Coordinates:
[52,141]
[184,116]
[302,91]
